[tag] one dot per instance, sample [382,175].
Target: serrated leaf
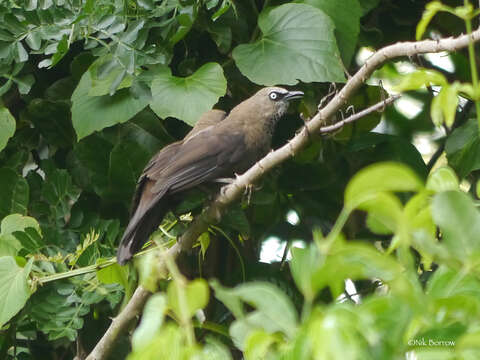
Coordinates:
[187,98]
[297,43]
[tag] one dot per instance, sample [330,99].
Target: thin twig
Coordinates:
[233,191]
[378,106]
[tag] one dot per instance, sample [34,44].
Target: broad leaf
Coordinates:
[297,44]
[304,264]
[187,98]
[459,220]
[196,297]
[152,320]
[94,113]
[463,149]
[14,193]
[7,127]
[442,179]
[346,17]
[13,287]
[272,303]
[380,177]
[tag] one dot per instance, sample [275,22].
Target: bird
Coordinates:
[230,146]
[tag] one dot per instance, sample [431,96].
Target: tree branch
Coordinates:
[233,191]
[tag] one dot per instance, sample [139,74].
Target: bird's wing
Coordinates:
[206,156]
[158,161]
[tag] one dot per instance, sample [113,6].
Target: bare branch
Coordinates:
[377,107]
[118,325]
[233,191]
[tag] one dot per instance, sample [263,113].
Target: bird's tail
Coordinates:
[137,235]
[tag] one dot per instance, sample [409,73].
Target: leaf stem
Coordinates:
[181,284]
[473,67]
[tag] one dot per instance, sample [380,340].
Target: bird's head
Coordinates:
[273,101]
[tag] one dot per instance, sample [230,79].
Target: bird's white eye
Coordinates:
[273,95]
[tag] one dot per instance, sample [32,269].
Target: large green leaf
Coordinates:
[196,297]
[93,113]
[459,220]
[10,226]
[380,177]
[346,16]
[13,287]
[188,98]
[304,264]
[53,121]
[271,304]
[297,44]
[14,193]
[7,126]
[463,148]
[152,320]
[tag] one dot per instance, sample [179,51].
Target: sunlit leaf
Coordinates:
[297,43]
[14,287]
[188,98]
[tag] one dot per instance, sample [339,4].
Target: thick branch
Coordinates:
[233,191]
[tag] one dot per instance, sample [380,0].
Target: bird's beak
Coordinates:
[293,95]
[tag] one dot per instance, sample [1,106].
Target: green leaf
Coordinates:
[7,127]
[430,10]
[304,264]
[62,49]
[271,303]
[380,177]
[442,179]
[228,298]
[94,113]
[187,98]
[459,220]
[420,78]
[384,210]
[258,344]
[463,149]
[444,105]
[152,320]
[297,44]
[114,274]
[196,297]
[53,121]
[9,244]
[13,287]
[14,193]
[346,17]
[103,73]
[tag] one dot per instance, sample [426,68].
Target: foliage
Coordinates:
[90,90]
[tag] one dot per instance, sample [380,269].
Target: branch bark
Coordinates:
[233,191]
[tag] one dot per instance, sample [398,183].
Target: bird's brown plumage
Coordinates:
[231,146]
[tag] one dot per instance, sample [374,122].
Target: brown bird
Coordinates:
[230,147]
